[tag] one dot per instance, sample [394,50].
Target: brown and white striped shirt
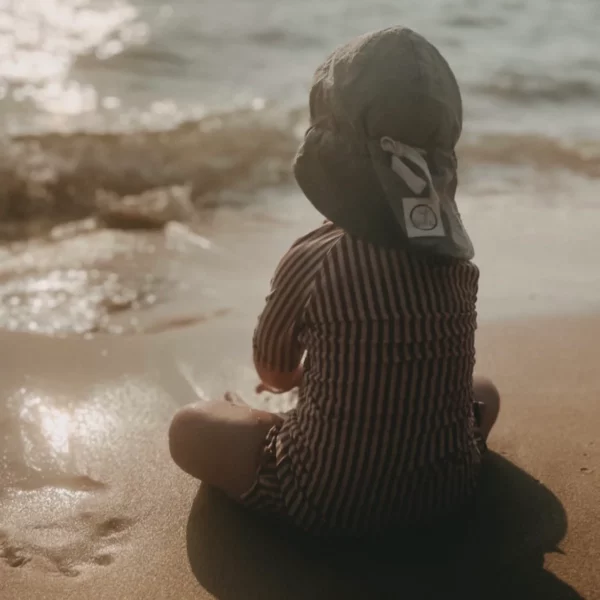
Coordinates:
[383,432]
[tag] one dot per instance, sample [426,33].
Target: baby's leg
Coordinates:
[488,399]
[220,443]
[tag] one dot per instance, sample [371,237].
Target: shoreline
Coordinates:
[535,260]
[93,508]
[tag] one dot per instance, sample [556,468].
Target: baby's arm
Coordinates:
[278,352]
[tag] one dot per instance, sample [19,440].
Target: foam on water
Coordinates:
[145,179]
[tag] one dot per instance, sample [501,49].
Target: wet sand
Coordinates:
[92,508]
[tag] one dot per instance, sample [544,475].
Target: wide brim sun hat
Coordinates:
[378,158]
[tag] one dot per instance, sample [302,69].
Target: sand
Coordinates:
[92,508]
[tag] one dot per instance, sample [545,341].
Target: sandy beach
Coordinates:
[92,508]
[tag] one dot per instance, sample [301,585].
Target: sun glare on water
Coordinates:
[55,427]
[40,41]
[53,424]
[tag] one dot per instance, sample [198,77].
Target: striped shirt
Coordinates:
[383,432]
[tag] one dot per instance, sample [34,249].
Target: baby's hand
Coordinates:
[296,381]
[261,388]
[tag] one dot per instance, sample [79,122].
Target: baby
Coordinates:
[372,316]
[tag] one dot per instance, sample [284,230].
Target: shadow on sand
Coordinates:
[497,552]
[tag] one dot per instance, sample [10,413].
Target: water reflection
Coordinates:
[53,490]
[44,438]
[72,300]
[86,282]
[54,425]
[92,283]
[40,42]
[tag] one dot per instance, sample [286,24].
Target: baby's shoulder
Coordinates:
[317,242]
[306,255]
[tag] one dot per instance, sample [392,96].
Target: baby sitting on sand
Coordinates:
[372,316]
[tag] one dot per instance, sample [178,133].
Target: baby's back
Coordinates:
[384,427]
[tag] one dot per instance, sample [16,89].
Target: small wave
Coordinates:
[517,87]
[540,152]
[217,160]
[148,178]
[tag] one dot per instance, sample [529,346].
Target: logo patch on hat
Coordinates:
[422,217]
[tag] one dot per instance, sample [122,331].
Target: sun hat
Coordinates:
[378,157]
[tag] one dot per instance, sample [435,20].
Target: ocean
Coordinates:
[120,116]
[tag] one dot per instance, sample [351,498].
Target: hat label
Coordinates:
[423,217]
